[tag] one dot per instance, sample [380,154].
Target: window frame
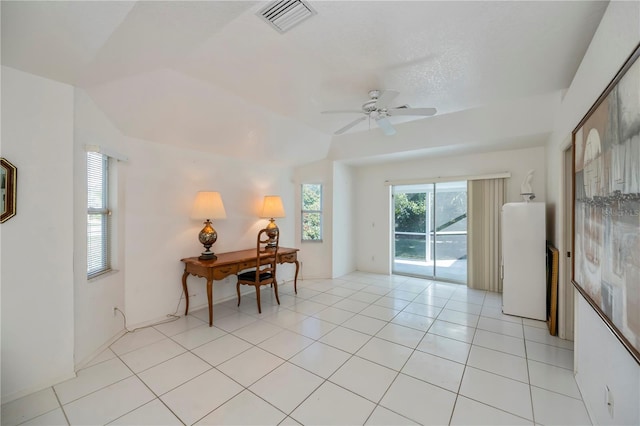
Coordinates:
[305,211]
[99,253]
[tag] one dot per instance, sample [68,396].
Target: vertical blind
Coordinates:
[485,200]
[98,215]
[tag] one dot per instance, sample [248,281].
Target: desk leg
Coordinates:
[295,279]
[210,300]
[185,292]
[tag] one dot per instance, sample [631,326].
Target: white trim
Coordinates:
[446,179]
[36,388]
[106,151]
[87,360]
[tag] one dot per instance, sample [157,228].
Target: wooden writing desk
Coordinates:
[229,264]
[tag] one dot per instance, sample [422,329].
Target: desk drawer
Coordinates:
[288,258]
[224,271]
[246,265]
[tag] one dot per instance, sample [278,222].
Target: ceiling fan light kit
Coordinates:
[377,109]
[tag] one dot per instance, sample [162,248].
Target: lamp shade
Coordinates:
[208,205]
[272,207]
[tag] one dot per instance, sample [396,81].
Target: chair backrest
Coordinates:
[267,251]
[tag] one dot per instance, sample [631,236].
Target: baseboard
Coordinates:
[590,413]
[243,291]
[83,363]
[87,360]
[36,388]
[80,365]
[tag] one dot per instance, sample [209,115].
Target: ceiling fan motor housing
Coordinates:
[369,106]
[378,109]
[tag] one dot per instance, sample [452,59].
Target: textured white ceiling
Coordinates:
[213,76]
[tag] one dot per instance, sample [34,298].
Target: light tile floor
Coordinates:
[362,349]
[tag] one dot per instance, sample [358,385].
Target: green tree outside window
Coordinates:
[311,212]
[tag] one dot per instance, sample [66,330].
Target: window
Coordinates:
[430,232]
[311,212]
[98,215]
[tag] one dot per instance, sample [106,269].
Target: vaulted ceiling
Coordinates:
[213,76]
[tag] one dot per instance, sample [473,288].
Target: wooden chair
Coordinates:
[265,271]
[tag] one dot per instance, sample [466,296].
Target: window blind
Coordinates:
[98,215]
[484,248]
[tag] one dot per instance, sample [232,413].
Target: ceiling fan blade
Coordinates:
[412,111]
[385,98]
[343,111]
[350,125]
[386,126]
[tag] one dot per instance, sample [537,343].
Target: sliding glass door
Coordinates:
[430,232]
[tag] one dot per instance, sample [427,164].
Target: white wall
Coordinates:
[600,359]
[52,318]
[95,324]
[344,256]
[37,243]
[373,201]
[161,185]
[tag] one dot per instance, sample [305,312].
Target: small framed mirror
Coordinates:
[8,185]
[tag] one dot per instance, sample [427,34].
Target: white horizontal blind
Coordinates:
[98,215]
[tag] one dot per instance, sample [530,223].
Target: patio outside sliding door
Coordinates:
[430,230]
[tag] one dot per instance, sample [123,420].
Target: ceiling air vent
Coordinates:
[286,14]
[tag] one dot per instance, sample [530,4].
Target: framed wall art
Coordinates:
[606,207]
[8,186]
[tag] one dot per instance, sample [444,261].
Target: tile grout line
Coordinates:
[526,353]
[387,322]
[213,367]
[475,330]
[150,390]
[464,370]
[64,413]
[325,380]
[352,355]
[400,370]
[405,363]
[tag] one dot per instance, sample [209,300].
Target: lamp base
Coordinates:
[207,237]
[272,232]
[207,256]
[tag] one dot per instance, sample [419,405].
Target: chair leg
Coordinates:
[258,298]
[238,291]
[275,289]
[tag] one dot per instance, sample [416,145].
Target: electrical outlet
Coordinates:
[608,400]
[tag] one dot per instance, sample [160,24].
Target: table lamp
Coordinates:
[272,208]
[208,205]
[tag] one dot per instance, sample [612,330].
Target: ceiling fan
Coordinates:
[377,108]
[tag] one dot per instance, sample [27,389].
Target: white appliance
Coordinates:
[524,285]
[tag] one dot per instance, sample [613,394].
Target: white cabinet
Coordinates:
[524,286]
